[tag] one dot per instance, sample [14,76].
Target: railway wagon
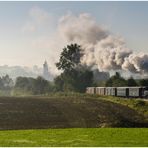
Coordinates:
[91,90]
[111,91]
[130,92]
[145,93]
[108,91]
[100,90]
[122,92]
[136,92]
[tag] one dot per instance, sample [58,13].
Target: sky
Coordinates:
[27,28]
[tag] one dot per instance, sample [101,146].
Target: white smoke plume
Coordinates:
[101,48]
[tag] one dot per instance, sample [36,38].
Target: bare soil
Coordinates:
[41,113]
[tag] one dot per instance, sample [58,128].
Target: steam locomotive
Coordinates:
[129,92]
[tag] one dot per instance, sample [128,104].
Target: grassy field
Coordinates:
[76,137]
[72,120]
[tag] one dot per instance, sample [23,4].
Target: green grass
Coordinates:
[138,104]
[76,137]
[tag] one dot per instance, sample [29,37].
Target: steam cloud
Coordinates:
[101,48]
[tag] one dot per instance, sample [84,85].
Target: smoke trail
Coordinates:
[101,48]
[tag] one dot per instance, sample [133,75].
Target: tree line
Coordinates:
[75,77]
[118,81]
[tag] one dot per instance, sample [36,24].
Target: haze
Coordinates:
[30,30]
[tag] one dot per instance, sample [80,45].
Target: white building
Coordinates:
[46,74]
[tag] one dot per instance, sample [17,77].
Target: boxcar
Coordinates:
[90,90]
[123,91]
[136,92]
[113,91]
[145,92]
[100,90]
[108,91]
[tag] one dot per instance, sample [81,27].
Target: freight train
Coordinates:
[129,92]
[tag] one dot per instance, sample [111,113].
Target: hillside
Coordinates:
[65,112]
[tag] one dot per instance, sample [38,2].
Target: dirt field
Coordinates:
[40,113]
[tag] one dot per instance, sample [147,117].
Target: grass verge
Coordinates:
[140,105]
[76,137]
